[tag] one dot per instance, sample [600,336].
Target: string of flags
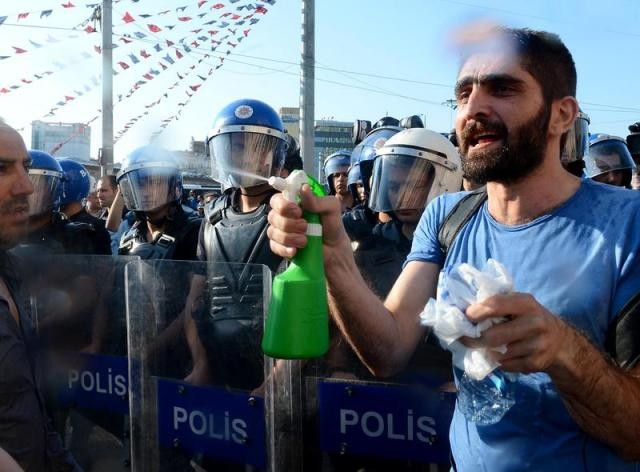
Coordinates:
[217,27]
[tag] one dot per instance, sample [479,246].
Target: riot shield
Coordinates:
[78,306]
[353,421]
[196,366]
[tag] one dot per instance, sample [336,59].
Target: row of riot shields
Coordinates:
[157,366]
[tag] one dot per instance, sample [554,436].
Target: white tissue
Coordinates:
[457,289]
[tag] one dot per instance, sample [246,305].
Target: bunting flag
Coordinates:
[22,16]
[230,31]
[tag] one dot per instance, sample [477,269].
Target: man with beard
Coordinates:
[569,244]
[25,432]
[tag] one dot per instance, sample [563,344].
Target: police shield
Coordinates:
[196,366]
[77,307]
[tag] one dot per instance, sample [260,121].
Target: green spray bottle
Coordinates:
[297,325]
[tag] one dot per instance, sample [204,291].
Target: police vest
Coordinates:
[381,255]
[61,236]
[164,245]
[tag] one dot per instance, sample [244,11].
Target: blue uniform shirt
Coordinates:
[581,263]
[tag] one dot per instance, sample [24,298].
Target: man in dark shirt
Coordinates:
[24,430]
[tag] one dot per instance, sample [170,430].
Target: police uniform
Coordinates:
[229,332]
[177,242]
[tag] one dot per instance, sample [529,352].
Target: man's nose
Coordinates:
[478,104]
[23,185]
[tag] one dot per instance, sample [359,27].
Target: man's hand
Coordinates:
[287,227]
[535,338]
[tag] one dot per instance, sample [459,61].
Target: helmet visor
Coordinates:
[46,191]
[606,156]
[577,142]
[366,150]
[148,189]
[401,182]
[245,159]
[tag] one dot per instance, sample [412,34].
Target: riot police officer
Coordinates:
[360,220]
[247,145]
[151,186]
[50,231]
[609,160]
[336,168]
[76,184]
[411,169]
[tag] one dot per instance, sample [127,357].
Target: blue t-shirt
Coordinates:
[581,263]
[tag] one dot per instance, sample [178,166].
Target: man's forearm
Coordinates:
[603,399]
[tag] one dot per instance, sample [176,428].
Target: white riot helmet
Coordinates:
[411,169]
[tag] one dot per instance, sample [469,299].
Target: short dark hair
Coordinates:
[113,183]
[542,54]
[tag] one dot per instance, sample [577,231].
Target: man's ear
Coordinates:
[563,113]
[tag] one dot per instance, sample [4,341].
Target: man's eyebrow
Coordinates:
[488,79]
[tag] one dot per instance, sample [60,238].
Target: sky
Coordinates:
[373,58]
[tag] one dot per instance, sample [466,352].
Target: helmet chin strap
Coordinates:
[163,217]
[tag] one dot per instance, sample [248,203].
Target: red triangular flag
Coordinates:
[153,28]
[184,18]
[26,81]
[246,32]
[97,49]
[4,90]
[217,6]
[170,43]
[201,2]
[127,18]
[68,5]
[147,76]
[124,65]
[22,15]
[178,55]
[261,9]
[194,87]
[68,98]
[90,29]
[19,50]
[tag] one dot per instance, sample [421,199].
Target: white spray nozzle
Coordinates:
[290,187]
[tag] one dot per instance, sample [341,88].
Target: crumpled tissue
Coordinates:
[458,288]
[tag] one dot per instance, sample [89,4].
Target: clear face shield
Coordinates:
[245,158]
[149,188]
[401,183]
[607,156]
[46,189]
[577,143]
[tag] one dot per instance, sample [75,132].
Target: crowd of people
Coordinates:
[542,195]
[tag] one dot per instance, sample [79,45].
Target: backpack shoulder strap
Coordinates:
[459,216]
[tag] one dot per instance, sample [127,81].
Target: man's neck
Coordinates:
[37,222]
[72,209]
[252,197]
[539,193]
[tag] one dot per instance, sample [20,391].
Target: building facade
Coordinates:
[71,140]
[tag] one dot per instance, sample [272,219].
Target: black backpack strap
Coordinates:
[459,216]
[623,336]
